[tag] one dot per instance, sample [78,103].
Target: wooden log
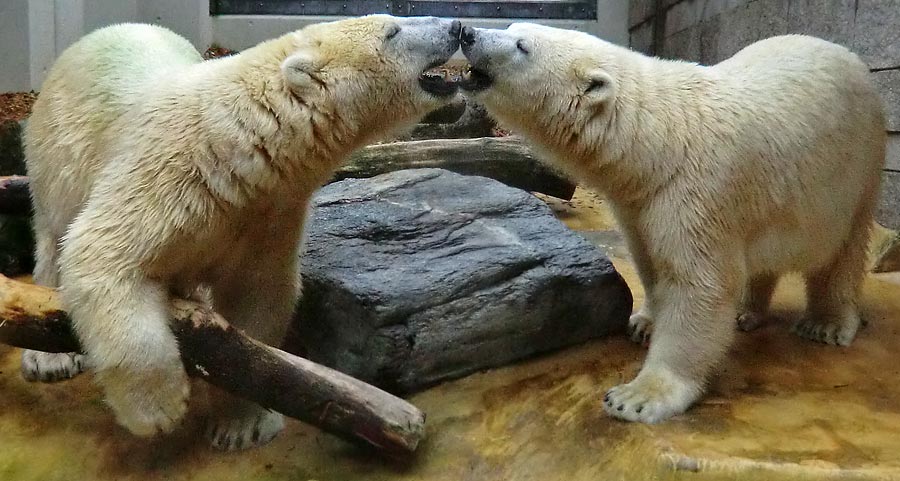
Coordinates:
[15,198]
[447,114]
[31,317]
[506,159]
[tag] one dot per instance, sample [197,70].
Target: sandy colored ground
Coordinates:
[784,408]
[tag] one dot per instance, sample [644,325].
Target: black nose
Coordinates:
[455,28]
[467,37]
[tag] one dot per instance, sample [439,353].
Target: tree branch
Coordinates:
[31,317]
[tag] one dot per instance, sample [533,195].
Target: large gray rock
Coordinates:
[418,276]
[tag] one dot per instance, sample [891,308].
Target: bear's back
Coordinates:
[112,63]
[93,83]
[802,88]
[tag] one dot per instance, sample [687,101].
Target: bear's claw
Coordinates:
[253,429]
[640,327]
[51,366]
[837,332]
[653,396]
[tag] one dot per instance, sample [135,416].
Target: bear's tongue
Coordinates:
[439,81]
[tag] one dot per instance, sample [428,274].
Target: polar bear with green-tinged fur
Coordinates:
[156,174]
[721,177]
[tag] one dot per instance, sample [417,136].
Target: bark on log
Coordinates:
[506,159]
[15,198]
[31,317]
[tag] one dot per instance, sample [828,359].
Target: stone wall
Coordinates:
[708,31]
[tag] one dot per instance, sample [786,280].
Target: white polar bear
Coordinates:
[155,173]
[722,178]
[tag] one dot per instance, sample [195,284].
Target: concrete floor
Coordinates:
[784,408]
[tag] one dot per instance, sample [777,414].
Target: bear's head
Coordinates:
[557,86]
[370,74]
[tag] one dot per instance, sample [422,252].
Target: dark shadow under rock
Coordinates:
[12,156]
[16,246]
[424,275]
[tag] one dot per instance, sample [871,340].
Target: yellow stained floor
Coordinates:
[784,408]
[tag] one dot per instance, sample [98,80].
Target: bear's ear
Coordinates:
[301,69]
[599,85]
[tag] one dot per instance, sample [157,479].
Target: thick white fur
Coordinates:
[722,178]
[155,173]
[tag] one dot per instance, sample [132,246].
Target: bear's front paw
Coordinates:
[244,428]
[146,401]
[653,396]
[640,326]
[836,330]
[51,366]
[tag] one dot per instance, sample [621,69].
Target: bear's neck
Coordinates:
[278,143]
[658,111]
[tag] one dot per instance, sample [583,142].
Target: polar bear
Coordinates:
[156,174]
[721,177]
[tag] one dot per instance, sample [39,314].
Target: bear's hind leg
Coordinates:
[39,365]
[260,300]
[833,294]
[755,305]
[234,423]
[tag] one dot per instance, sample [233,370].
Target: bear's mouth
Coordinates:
[438,80]
[475,80]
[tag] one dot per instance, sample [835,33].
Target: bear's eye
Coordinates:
[392,32]
[596,84]
[522,47]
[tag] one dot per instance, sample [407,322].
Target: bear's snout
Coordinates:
[477,78]
[467,37]
[438,47]
[455,28]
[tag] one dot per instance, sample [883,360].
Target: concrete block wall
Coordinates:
[708,31]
